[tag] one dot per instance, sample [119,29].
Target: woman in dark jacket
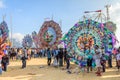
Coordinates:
[60,54]
[65,53]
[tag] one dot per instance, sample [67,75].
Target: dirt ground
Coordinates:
[37,69]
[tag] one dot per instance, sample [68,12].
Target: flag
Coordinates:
[98,11]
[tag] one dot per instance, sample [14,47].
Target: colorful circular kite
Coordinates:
[84,35]
[50,34]
[27,41]
[4,32]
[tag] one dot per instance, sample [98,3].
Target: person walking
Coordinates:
[65,53]
[48,57]
[60,54]
[23,61]
[67,61]
[118,59]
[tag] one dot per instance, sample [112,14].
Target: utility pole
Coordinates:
[107,11]
[52,17]
[4,17]
[11,31]
[60,24]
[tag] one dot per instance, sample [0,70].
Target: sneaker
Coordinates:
[69,72]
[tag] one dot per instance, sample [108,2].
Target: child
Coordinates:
[118,60]
[89,62]
[67,62]
[103,62]
[49,57]
[23,61]
[55,63]
[81,65]
[97,58]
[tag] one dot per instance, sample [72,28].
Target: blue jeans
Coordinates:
[68,64]
[0,70]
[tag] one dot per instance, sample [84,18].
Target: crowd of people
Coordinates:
[28,53]
[99,59]
[61,57]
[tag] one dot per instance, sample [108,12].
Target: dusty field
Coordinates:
[35,72]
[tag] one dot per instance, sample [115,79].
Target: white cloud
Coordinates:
[115,12]
[2,5]
[115,17]
[17,36]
